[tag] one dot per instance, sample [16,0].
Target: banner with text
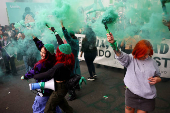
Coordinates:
[106,55]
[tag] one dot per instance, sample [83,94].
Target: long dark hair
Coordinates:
[49,60]
[90,36]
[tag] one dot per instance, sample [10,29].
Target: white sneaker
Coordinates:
[94,75]
[91,78]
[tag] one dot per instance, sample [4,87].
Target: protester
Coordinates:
[141,76]
[46,62]
[61,73]
[74,43]
[8,60]
[90,51]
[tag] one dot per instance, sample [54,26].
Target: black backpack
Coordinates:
[73,82]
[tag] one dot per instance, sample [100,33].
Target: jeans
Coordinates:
[9,62]
[89,58]
[40,103]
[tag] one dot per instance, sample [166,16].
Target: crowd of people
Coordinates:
[60,66]
[139,80]
[8,33]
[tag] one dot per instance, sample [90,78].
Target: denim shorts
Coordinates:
[138,102]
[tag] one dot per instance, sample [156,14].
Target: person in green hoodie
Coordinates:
[74,43]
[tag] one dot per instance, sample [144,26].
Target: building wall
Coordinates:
[3,11]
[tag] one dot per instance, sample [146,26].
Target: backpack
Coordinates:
[73,82]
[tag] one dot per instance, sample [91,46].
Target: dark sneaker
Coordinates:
[91,78]
[70,98]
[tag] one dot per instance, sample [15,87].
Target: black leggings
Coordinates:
[89,58]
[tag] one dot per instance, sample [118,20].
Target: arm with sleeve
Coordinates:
[73,42]
[124,59]
[38,43]
[30,74]
[59,40]
[58,72]
[47,74]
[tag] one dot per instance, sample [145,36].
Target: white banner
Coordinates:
[106,55]
[162,57]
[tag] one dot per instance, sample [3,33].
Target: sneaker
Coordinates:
[91,78]
[95,75]
[70,98]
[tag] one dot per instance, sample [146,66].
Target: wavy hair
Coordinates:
[141,48]
[67,59]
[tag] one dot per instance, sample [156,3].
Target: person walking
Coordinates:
[90,51]
[141,76]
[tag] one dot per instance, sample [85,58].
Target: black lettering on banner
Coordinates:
[102,44]
[107,46]
[164,49]
[159,63]
[97,43]
[101,51]
[155,48]
[107,55]
[166,60]
[155,58]
[164,72]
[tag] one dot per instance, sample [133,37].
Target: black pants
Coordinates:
[58,98]
[89,58]
[9,62]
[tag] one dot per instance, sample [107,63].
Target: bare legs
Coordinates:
[132,110]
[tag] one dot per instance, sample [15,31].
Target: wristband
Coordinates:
[114,45]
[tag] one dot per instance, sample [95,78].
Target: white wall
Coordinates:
[3,11]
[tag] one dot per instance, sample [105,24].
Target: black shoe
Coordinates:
[70,98]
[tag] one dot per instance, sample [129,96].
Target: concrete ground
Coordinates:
[104,95]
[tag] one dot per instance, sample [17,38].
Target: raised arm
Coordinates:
[73,42]
[113,44]
[59,40]
[38,43]
[123,58]
[164,6]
